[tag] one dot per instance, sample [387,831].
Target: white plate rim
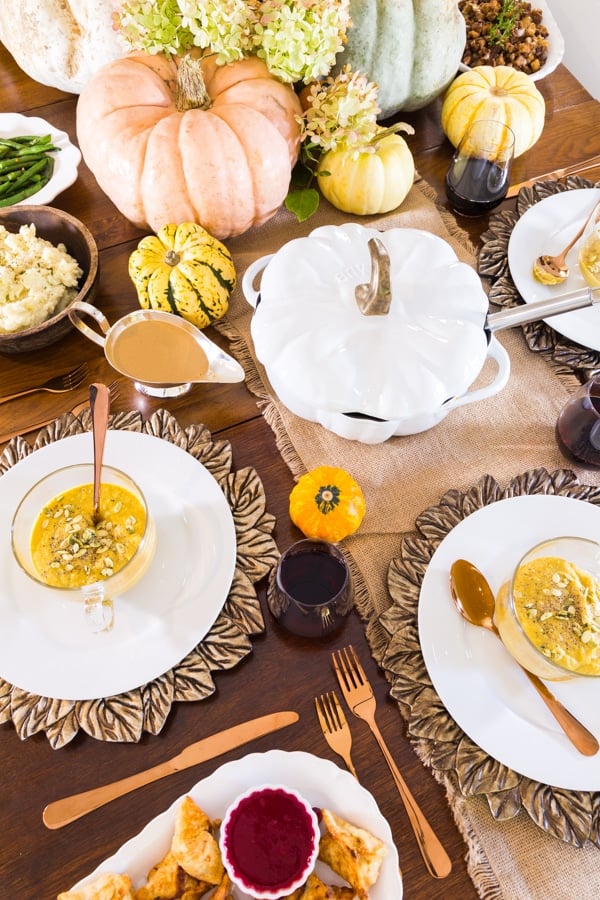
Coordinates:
[53,654]
[556,44]
[319,780]
[498,709]
[66,162]
[547,227]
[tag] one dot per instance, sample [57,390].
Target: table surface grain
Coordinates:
[282,671]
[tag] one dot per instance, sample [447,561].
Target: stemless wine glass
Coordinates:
[312,589]
[578,425]
[478,177]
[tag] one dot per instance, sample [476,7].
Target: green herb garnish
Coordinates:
[507,20]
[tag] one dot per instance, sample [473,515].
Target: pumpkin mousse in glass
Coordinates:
[548,614]
[58,543]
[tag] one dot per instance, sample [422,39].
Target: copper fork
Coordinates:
[57,385]
[335,728]
[359,696]
[79,407]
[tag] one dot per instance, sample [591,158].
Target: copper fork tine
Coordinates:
[57,385]
[359,696]
[335,728]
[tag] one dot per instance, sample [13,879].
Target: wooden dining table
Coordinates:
[282,671]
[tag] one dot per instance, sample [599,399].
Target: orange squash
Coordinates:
[185,140]
[327,504]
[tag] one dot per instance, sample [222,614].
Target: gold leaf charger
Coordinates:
[125,717]
[565,355]
[571,816]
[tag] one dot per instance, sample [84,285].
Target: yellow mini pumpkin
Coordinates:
[327,504]
[372,179]
[494,92]
[184,270]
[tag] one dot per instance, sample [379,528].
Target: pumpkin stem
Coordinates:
[172,258]
[392,129]
[191,90]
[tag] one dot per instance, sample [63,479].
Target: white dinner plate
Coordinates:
[556,44]
[479,683]
[46,647]
[547,227]
[66,161]
[321,782]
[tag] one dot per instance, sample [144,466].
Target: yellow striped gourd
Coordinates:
[184,270]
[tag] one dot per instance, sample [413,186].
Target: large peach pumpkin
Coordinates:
[166,150]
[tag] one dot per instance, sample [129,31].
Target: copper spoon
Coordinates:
[475,601]
[554,269]
[99,408]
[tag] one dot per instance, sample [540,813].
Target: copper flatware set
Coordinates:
[591,163]
[75,410]
[57,385]
[62,812]
[358,694]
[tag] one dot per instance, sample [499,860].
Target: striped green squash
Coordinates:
[184,270]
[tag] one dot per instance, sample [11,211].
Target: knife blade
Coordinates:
[592,163]
[68,809]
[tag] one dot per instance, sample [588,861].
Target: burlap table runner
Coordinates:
[502,436]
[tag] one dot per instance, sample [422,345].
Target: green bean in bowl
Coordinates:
[37,161]
[26,166]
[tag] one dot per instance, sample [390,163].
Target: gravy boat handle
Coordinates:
[80,306]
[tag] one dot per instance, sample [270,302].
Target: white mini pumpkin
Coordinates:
[60,43]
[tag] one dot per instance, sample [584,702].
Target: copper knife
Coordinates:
[62,812]
[575,169]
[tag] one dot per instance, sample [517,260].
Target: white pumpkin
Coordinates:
[60,43]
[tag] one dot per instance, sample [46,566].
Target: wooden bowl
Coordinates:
[57,227]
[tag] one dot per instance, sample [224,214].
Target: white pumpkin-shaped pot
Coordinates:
[335,355]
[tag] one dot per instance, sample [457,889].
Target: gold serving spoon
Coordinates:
[554,269]
[476,603]
[99,408]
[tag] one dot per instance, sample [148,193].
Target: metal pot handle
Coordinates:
[80,306]
[250,292]
[496,352]
[542,309]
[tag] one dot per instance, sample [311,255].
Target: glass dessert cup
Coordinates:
[97,596]
[548,614]
[269,841]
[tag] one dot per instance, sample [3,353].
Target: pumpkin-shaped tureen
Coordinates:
[371,333]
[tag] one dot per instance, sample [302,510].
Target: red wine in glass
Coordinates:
[477,179]
[312,590]
[578,426]
[476,186]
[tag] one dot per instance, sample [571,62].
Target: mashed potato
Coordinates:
[37,279]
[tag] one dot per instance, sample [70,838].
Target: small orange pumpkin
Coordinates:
[327,504]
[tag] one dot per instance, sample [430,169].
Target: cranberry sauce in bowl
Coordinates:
[269,841]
